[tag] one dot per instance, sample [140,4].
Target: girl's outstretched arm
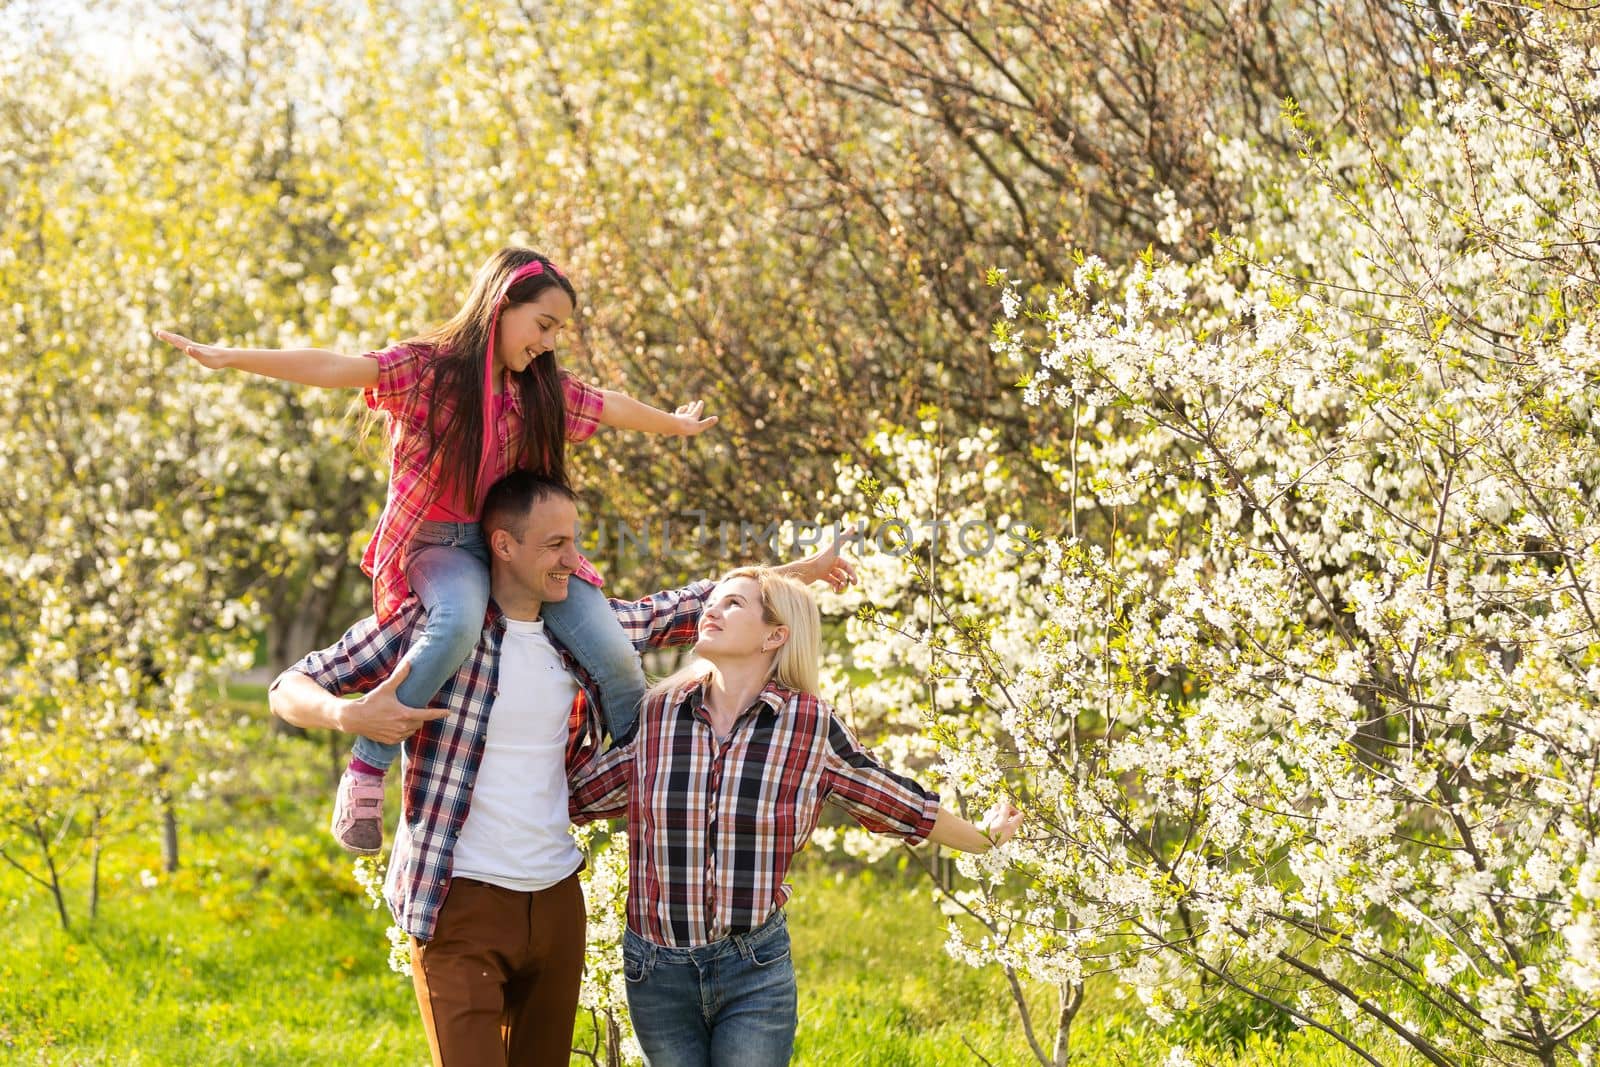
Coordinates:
[307,366]
[623,412]
[998,826]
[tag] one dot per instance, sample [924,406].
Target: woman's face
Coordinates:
[732,625]
[527,331]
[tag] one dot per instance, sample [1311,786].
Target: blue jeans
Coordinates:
[727,1004]
[447,566]
[586,625]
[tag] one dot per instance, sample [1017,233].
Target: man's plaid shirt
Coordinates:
[714,824]
[441,759]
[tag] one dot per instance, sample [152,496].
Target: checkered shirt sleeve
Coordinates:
[584,403]
[876,797]
[661,620]
[363,658]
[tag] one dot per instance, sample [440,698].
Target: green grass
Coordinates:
[877,990]
[875,986]
[261,951]
[235,963]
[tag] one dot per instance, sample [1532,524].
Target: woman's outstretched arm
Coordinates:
[307,366]
[955,832]
[886,802]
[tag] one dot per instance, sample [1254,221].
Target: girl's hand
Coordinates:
[209,356]
[687,421]
[1001,822]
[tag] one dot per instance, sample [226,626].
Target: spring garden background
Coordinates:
[1215,378]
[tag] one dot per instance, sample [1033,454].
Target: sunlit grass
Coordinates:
[261,950]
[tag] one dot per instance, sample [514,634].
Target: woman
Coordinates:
[722,785]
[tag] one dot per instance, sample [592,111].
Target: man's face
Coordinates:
[541,563]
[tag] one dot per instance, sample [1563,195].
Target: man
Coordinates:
[484,874]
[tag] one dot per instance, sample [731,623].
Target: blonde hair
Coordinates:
[784,602]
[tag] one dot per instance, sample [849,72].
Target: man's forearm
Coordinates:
[664,619]
[299,701]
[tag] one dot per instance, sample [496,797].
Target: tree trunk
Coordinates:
[613,1041]
[94,867]
[55,876]
[298,624]
[338,753]
[169,832]
[1071,1001]
[288,638]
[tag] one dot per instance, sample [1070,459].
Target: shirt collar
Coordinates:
[508,387]
[773,695]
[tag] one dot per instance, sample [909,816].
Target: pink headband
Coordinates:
[528,270]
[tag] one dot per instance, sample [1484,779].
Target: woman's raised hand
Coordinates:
[1002,821]
[209,356]
[689,421]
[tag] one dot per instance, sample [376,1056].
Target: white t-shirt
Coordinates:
[517,834]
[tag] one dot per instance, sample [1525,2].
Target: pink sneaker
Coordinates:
[358,813]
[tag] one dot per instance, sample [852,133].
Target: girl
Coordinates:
[722,785]
[466,403]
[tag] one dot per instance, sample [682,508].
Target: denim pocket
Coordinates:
[770,950]
[635,968]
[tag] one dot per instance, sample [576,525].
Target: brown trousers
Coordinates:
[498,982]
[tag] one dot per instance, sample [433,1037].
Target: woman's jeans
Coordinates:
[727,1004]
[447,566]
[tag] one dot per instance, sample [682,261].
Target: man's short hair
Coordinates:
[508,502]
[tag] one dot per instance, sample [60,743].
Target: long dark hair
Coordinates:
[454,379]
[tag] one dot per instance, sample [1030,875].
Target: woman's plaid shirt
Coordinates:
[713,826]
[442,759]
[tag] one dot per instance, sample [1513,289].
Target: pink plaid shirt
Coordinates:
[413,490]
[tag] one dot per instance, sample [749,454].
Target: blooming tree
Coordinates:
[1300,692]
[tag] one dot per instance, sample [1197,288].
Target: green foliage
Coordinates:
[1229,1021]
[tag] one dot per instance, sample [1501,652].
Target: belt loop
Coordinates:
[749,936]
